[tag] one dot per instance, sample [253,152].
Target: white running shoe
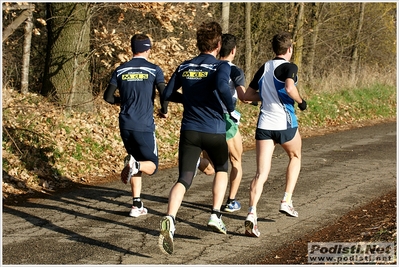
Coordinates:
[129,169]
[216,224]
[251,226]
[136,212]
[288,209]
[165,240]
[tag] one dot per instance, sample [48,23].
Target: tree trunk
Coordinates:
[248,46]
[26,52]
[298,37]
[316,23]
[225,16]
[67,75]
[355,56]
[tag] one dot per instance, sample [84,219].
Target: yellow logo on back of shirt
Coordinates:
[195,74]
[135,76]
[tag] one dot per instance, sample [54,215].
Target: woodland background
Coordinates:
[57,60]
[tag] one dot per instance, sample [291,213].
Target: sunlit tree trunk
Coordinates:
[225,16]
[248,45]
[298,37]
[26,52]
[67,76]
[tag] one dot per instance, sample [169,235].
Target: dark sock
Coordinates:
[217,212]
[138,166]
[137,202]
[229,200]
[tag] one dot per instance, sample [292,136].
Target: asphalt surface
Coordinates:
[90,225]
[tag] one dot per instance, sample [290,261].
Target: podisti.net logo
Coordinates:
[361,252]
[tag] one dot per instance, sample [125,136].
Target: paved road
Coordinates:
[89,225]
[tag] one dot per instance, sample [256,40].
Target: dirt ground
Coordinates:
[378,215]
[373,221]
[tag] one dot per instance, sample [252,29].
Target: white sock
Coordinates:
[252,210]
[287,198]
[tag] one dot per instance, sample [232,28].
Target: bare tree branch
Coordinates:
[19,20]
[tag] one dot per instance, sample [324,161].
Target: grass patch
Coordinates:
[40,141]
[334,108]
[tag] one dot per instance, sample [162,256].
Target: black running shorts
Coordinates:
[279,137]
[190,147]
[141,145]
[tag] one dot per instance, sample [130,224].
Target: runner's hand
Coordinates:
[162,115]
[302,106]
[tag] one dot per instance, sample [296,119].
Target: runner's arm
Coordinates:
[292,91]
[252,92]
[163,111]
[170,93]
[238,78]
[222,86]
[241,93]
[251,95]
[109,95]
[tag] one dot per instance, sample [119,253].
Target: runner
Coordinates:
[136,81]
[205,82]
[274,85]
[233,136]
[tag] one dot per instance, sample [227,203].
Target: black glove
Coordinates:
[254,103]
[302,106]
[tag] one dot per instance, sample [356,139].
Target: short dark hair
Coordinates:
[281,42]
[209,34]
[228,44]
[140,43]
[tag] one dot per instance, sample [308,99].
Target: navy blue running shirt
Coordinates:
[204,80]
[136,82]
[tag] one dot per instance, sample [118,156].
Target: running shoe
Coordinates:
[129,169]
[216,224]
[251,226]
[288,209]
[136,212]
[165,240]
[232,206]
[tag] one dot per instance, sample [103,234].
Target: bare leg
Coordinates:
[147,167]
[293,149]
[264,153]
[219,189]
[235,153]
[176,196]
[206,164]
[135,184]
